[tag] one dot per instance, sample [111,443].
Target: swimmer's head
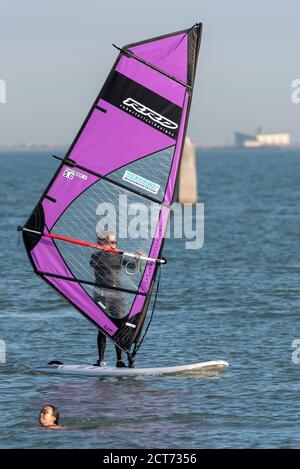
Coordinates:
[48,416]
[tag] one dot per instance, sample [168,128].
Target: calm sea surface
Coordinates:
[236,299]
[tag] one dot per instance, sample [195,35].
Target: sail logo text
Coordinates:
[153,115]
[70,173]
[139,181]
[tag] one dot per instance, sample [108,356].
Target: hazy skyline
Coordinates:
[55,56]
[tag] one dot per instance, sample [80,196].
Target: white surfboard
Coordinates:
[210,367]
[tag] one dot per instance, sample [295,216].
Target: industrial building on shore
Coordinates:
[259,140]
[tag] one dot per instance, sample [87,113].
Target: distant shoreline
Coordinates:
[197,147]
[250,149]
[31,147]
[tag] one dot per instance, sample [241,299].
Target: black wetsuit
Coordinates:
[107,266]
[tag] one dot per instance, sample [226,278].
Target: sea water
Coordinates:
[236,299]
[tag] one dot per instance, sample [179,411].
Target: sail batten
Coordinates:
[128,148]
[128,53]
[105,287]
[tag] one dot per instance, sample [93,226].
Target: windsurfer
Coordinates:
[107,266]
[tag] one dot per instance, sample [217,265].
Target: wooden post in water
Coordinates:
[187,190]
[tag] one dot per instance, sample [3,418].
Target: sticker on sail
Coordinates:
[70,173]
[139,181]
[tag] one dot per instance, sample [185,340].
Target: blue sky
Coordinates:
[55,56]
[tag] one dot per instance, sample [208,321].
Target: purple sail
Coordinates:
[128,148]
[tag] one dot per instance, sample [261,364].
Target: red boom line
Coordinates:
[82,243]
